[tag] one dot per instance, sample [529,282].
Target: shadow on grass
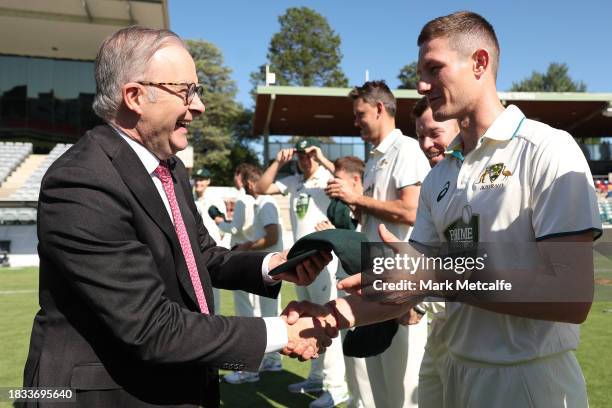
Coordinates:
[269,391]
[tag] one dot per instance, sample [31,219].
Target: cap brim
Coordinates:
[292,263]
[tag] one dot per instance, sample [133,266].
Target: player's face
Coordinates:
[366,119]
[200,186]
[306,162]
[249,187]
[434,137]
[164,119]
[353,180]
[446,79]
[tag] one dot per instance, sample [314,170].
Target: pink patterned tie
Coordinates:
[163,173]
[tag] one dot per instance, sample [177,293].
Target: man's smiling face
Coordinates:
[165,117]
[446,79]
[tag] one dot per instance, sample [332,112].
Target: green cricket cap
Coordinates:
[305,143]
[202,174]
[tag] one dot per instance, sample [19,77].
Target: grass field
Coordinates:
[19,303]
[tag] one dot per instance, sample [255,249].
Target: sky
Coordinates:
[380,36]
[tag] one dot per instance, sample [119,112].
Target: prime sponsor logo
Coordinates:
[464,230]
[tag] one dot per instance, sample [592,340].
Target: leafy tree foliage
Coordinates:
[305,52]
[408,76]
[219,136]
[556,79]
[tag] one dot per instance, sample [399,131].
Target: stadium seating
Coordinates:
[605,211]
[30,189]
[11,156]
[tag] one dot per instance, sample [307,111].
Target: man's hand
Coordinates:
[356,285]
[305,272]
[324,225]
[353,284]
[410,318]
[316,152]
[284,155]
[338,188]
[307,338]
[219,220]
[325,314]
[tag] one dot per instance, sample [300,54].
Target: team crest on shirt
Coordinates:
[494,176]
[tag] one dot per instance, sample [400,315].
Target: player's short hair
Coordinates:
[251,173]
[420,107]
[465,31]
[350,164]
[241,168]
[373,92]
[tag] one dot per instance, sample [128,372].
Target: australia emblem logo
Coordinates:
[495,172]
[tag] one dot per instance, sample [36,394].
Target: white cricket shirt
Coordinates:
[524,181]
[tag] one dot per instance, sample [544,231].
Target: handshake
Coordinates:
[311,328]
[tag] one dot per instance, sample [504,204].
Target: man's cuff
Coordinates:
[265,269]
[276,333]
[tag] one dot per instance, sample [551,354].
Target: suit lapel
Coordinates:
[141,185]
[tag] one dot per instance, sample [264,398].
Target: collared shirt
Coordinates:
[524,181]
[266,213]
[307,200]
[276,330]
[396,162]
[241,226]
[150,163]
[203,204]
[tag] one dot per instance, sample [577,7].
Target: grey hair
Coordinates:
[123,57]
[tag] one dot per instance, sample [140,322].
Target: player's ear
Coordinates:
[380,108]
[481,60]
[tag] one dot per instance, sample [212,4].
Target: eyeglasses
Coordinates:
[192,89]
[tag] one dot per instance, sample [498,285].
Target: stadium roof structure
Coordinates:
[283,110]
[71,29]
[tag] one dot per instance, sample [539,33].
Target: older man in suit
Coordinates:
[126,265]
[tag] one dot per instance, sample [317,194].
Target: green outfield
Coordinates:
[18,304]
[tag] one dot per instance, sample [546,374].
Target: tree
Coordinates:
[218,136]
[556,79]
[408,76]
[305,52]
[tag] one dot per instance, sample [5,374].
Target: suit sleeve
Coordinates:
[86,229]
